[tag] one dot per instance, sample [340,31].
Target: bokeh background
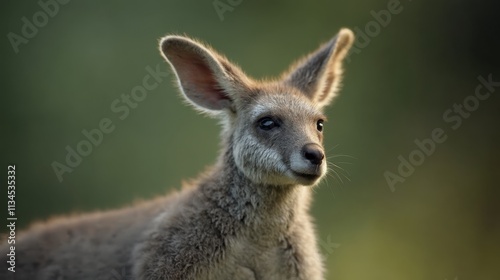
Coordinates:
[442,222]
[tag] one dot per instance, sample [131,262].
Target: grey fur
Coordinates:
[245,218]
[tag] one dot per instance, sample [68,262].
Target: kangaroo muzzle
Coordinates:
[313,153]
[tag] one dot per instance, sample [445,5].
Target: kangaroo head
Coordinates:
[274,129]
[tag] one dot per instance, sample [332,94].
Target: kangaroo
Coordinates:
[246,217]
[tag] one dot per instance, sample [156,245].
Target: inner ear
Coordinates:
[196,77]
[328,85]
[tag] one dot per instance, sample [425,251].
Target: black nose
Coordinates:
[313,153]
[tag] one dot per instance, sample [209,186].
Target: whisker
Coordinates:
[345,174]
[338,176]
[341,155]
[329,186]
[340,168]
[329,150]
[338,171]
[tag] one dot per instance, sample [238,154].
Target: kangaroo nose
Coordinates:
[313,153]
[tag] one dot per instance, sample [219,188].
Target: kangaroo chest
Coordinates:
[261,257]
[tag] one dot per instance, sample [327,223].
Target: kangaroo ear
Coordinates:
[207,80]
[319,74]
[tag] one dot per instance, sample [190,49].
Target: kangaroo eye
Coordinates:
[267,123]
[319,125]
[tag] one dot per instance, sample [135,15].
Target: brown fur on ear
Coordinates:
[207,79]
[319,74]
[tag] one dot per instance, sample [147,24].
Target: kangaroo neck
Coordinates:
[248,203]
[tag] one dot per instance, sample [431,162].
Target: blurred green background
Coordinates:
[442,222]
